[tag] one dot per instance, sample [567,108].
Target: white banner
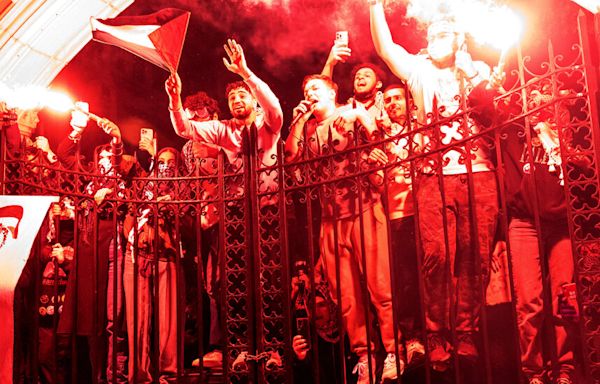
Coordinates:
[20,221]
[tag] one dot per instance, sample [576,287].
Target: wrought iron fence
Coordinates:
[283,248]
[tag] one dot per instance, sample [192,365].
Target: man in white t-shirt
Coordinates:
[456,230]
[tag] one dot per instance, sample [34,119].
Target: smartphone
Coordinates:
[147,133]
[302,328]
[341,38]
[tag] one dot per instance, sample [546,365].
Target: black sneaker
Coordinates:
[438,349]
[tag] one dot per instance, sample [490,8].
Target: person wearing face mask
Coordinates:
[141,266]
[200,159]
[435,78]
[99,252]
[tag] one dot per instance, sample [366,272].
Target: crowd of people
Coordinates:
[410,223]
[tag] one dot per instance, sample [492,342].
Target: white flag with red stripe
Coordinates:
[157,38]
[20,220]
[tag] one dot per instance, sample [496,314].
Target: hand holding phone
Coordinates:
[341,38]
[147,141]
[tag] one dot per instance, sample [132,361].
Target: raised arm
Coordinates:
[268,101]
[338,53]
[261,91]
[180,122]
[398,60]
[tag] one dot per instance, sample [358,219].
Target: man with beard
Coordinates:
[244,99]
[141,265]
[401,213]
[435,79]
[254,107]
[367,80]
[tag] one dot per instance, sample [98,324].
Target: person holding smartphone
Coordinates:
[439,79]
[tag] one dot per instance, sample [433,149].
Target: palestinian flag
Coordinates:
[157,38]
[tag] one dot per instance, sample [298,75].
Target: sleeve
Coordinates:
[67,153]
[13,137]
[202,131]
[481,99]
[117,151]
[268,101]
[145,160]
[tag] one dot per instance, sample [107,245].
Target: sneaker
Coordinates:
[438,349]
[415,352]
[466,346]
[362,369]
[536,380]
[212,359]
[390,370]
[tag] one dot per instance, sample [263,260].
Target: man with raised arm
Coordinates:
[435,79]
[244,99]
[251,103]
[367,80]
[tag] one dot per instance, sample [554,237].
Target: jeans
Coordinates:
[527,276]
[455,267]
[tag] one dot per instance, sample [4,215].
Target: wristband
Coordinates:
[74,136]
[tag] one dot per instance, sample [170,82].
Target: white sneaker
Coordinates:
[390,368]
[362,369]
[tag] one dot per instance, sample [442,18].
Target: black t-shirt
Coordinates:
[524,177]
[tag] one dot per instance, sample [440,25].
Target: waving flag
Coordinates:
[20,221]
[157,38]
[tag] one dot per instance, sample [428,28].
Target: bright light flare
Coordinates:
[34,97]
[59,102]
[499,27]
[486,22]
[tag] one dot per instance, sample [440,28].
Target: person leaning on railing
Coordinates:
[435,78]
[104,179]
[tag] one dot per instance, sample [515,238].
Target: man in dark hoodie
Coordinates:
[535,187]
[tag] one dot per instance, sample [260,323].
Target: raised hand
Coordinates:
[300,347]
[79,119]
[110,128]
[173,88]
[339,53]
[237,60]
[147,144]
[464,63]
[497,79]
